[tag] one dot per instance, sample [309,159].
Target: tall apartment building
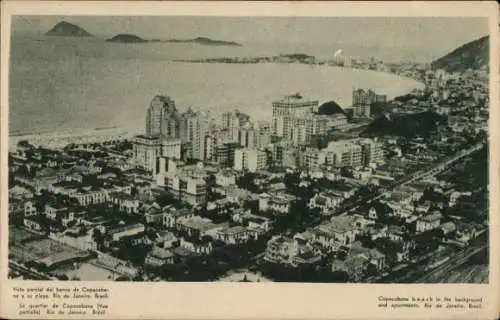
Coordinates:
[371,151]
[171,148]
[248,136]
[286,110]
[250,159]
[232,122]
[361,111]
[255,135]
[186,188]
[225,154]
[362,97]
[162,118]
[305,127]
[145,150]
[194,130]
[344,154]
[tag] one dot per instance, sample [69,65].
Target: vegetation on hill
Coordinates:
[474,55]
[408,125]
[329,108]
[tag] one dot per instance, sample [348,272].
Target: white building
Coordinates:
[250,159]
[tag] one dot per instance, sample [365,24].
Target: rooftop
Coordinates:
[126,228]
[161,253]
[196,222]
[338,224]
[234,230]
[432,217]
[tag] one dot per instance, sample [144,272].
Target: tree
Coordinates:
[339,276]
[371,270]
[98,237]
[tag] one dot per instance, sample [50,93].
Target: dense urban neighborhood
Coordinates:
[383,191]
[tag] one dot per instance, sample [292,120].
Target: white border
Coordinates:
[294,301]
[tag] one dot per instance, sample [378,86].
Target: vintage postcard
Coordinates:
[170,160]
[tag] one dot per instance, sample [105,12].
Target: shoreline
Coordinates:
[61,138]
[263,60]
[58,139]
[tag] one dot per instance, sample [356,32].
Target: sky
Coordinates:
[436,34]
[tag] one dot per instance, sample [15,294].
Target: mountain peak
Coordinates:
[66,29]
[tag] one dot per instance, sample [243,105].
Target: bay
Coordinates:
[65,84]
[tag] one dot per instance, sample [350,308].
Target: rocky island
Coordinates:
[204,41]
[66,29]
[126,38]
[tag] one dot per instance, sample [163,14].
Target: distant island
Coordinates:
[126,38]
[204,41]
[66,29]
[132,38]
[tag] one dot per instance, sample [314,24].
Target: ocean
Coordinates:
[67,84]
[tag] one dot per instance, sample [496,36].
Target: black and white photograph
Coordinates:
[249,149]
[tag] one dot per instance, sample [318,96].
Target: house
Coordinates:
[196,226]
[34,223]
[373,256]
[340,231]
[197,246]
[55,210]
[42,180]
[235,235]
[125,202]
[276,187]
[225,178]
[465,232]
[258,223]
[125,230]
[376,231]
[135,240]
[414,194]
[167,239]
[307,257]
[76,237]
[372,214]
[20,192]
[448,227]
[237,195]
[423,208]
[280,249]
[171,215]
[325,201]
[152,213]
[159,257]
[396,233]
[143,189]
[29,209]
[455,195]
[275,202]
[304,238]
[89,195]
[429,222]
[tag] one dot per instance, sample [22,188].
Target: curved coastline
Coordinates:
[117,131]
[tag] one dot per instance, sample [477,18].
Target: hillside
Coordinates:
[408,125]
[66,29]
[330,107]
[126,38]
[474,55]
